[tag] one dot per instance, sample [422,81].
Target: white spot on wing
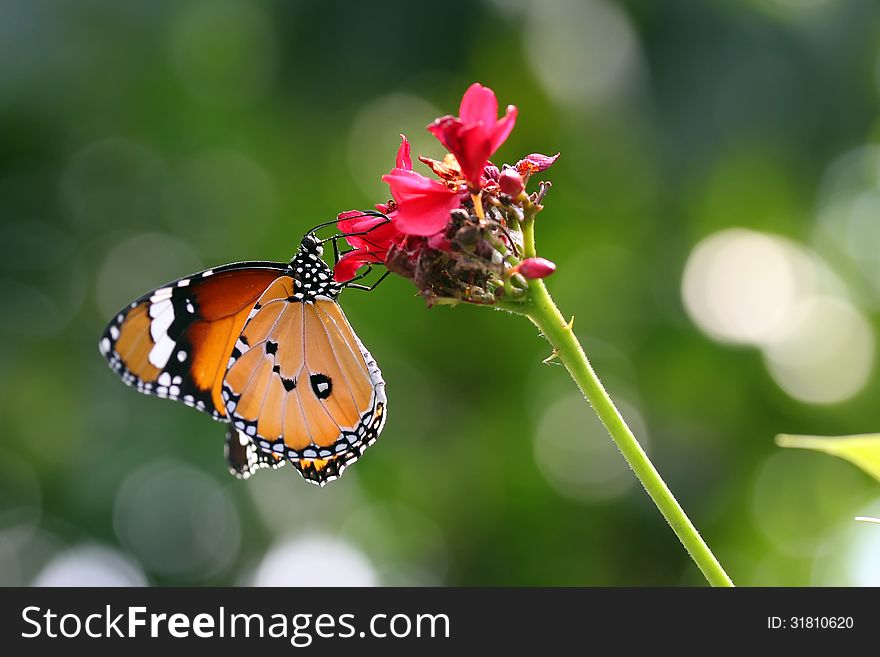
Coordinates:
[160,295]
[159,307]
[105,345]
[159,326]
[161,351]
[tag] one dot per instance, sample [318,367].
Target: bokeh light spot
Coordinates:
[177,520]
[740,286]
[90,565]
[583,52]
[315,560]
[827,353]
[577,456]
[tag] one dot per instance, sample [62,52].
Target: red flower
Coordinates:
[476,133]
[371,237]
[423,204]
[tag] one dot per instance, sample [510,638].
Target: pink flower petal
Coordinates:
[503,127]
[423,204]
[478,105]
[353,221]
[426,215]
[348,265]
[442,128]
[405,184]
[404,160]
[473,150]
[367,232]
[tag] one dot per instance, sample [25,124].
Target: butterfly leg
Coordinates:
[335,253]
[367,288]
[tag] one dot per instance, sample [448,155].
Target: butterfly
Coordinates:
[264,347]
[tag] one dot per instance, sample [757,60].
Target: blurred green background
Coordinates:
[714,216]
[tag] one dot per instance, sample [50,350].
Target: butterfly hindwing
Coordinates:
[175,341]
[301,384]
[323,471]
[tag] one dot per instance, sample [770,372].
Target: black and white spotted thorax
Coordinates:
[314,276]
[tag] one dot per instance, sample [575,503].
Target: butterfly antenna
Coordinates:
[365,213]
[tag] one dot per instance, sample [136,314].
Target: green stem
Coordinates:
[543,312]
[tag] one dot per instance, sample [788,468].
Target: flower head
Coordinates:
[476,133]
[457,235]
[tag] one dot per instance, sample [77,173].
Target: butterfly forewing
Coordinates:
[175,341]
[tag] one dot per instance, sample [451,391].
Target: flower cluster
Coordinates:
[457,235]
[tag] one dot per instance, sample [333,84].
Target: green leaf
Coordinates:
[862,450]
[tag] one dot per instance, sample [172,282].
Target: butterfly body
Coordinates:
[265,347]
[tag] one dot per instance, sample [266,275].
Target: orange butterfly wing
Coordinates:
[245,458]
[175,342]
[301,384]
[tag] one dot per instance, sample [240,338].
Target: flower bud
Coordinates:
[535,267]
[510,183]
[535,163]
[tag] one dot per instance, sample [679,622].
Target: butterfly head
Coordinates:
[311,244]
